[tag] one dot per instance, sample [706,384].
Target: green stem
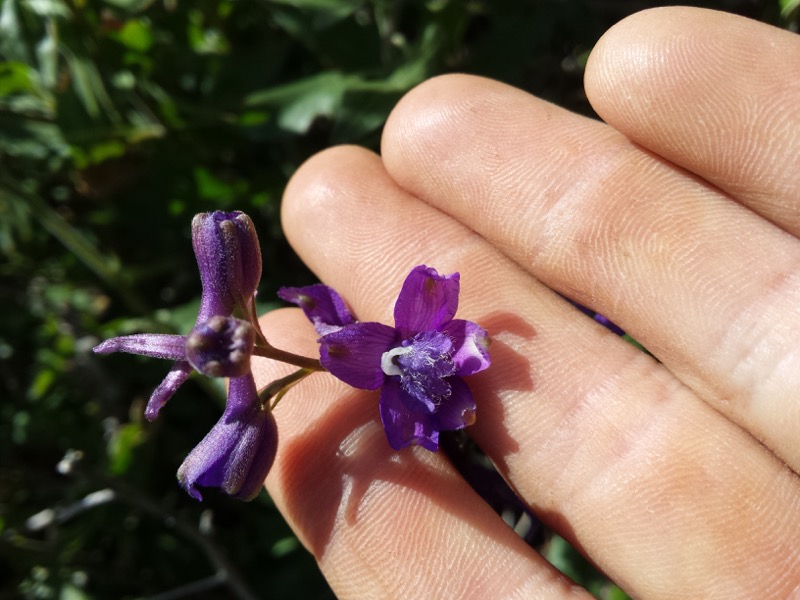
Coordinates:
[264,348]
[279,387]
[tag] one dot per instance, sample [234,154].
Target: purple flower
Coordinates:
[418,364]
[229,259]
[239,450]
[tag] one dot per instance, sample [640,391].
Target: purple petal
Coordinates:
[405,427]
[157,345]
[178,374]
[353,353]
[470,346]
[229,258]
[322,305]
[426,302]
[458,409]
[238,452]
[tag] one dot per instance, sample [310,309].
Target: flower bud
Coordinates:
[229,258]
[238,452]
[221,346]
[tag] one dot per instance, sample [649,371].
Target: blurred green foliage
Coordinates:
[118,121]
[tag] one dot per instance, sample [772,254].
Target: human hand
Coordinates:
[679,220]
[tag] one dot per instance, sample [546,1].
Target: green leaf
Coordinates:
[41,384]
[15,223]
[89,87]
[205,40]
[15,78]
[12,42]
[136,35]
[338,9]
[105,266]
[132,6]
[30,138]
[21,91]
[48,8]
[211,187]
[300,102]
[121,446]
[97,153]
[47,56]
[71,592]
[284,546]
[20,425]
[788,7]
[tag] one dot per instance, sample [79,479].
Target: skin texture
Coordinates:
[678,219]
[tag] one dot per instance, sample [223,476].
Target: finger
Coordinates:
[658,489]
[713,92]
[384,525]
[709,287]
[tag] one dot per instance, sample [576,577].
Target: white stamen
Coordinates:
[388,365]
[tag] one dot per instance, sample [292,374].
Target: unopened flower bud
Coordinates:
[221,346]
[229,258]
[238,452]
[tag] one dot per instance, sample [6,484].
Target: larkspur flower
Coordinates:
[418,364]
[239,450]
[229,260]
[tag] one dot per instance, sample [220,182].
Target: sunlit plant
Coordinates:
[418,364]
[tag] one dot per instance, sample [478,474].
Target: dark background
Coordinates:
[119,120]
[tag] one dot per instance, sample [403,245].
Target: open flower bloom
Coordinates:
[418,364]
[239,450]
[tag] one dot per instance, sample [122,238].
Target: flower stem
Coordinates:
[279,387]
[264,348]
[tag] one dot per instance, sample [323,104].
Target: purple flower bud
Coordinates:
[221,346]
[229,258]
[238,452]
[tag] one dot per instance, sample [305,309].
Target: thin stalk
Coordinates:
[279,387]
[264,348]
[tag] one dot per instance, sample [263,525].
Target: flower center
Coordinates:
[423,363]
[390,362]
[221,347]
